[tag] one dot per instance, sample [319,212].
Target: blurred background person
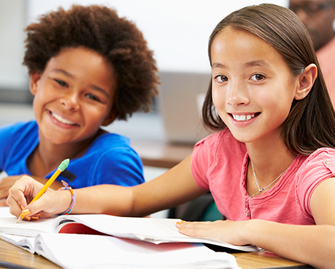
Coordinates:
[318,17]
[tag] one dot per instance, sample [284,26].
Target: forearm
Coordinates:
[103,199]
[314,244]
[174,187]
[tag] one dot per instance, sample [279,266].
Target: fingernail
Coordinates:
[25,212]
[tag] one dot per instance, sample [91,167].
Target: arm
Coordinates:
[312,244]
[170,189]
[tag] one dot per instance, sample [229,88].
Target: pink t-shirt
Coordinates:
[219,164]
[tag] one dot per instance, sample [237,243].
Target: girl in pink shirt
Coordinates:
[270,165]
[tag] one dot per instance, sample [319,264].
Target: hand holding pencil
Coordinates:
[60,169]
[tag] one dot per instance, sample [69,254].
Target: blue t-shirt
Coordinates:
[109,159]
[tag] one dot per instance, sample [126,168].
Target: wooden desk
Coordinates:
[15,257]
[265,259]
[161,154]
[11,255]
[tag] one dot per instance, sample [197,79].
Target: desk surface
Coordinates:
[159,153]
[15,257]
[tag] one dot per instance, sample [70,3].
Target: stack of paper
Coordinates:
[95,251]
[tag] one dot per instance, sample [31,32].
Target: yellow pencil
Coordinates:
[64,164]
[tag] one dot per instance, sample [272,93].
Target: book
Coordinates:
[69,250]
[153,230]
[97,251]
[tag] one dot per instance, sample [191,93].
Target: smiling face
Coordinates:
[252,86]
[73,96]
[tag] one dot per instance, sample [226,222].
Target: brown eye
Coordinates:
[257,77]
[93,97]
[61,83]
[221,78]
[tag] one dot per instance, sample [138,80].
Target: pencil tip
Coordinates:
[19,219]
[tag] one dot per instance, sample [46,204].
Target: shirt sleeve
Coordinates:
[202,160]
[318,167]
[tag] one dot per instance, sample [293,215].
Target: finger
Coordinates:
[193,224]
[35,217]
[14,207]
[193,232]
[194,229]
[17,191]
[16,196]
[24,190]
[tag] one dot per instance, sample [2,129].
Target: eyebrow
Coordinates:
[256,63]
[248,64]
[59,70]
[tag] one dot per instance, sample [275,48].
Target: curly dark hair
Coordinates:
[100,29]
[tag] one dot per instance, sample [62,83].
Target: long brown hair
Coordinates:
[311,121]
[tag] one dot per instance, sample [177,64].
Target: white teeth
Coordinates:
[243,117]
[62,120]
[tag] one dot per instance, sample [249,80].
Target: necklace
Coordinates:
[256,181]
[247,210]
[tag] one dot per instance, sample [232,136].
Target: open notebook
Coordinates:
[154,230]
[104,241]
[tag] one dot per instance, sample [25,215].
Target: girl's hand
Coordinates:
[224,230]
[26,188]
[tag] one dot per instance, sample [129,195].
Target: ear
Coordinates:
[306,81]
[34,78]
[109,119]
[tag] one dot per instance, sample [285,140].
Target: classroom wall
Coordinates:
[176,30]
[12,20]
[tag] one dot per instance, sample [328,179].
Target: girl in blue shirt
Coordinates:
[87,68]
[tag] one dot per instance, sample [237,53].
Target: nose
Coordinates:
[70,101]
[237,94]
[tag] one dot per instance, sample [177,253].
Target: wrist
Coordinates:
[65,200]
[263,233]
[252,231]
[69,199]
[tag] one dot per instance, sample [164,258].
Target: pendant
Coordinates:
[247,210]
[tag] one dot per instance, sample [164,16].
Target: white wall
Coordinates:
[12,20]
[176,30]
